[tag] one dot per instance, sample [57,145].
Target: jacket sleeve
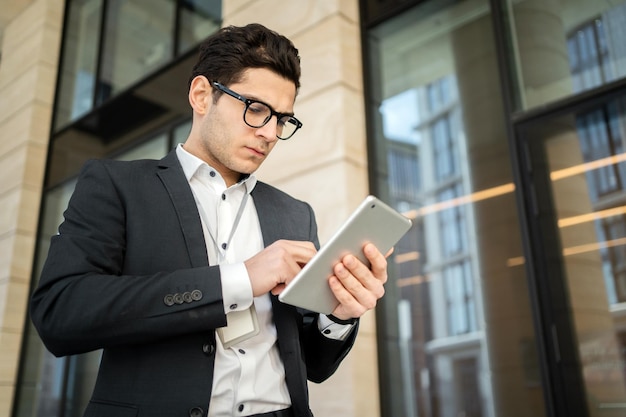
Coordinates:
[86,298]
[324,355]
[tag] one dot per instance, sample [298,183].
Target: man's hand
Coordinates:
[357,287]
[278,264]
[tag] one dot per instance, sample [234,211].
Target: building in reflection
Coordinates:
[597,56]
[441,341]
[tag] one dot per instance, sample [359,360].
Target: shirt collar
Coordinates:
[194,166]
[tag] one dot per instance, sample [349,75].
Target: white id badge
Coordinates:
[241,325]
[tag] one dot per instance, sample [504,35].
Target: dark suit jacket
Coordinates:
[131,243]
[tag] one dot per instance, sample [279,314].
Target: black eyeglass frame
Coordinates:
[248,102]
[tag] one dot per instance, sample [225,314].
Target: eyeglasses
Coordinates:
[256,114]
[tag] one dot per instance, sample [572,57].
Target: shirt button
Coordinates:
[196,412]
[212,173]
[233,306]
[208,349]
[326,331]
[243,352]
[223,196]
[224,246]
[240,408]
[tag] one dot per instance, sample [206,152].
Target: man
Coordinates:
[172,267]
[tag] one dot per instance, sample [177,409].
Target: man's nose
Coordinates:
[269,129]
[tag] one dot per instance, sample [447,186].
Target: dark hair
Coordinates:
[225,55]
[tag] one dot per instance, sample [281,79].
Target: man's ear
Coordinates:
[200,94]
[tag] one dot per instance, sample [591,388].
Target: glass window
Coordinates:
[138,38]
[199,18]
[444,148]
[599,141]
[78,69]
[459,298]
[565,47]
[155,148]
[181,132]
[449,347]
[452,225]
[584,159]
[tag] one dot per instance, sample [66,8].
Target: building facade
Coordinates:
[498,126]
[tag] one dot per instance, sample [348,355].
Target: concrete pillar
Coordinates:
[27,80]
[326,162]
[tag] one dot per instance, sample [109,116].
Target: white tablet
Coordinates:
[373,221]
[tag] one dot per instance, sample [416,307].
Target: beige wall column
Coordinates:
[325,163]
[27,80]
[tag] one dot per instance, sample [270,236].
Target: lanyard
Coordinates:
[221,249]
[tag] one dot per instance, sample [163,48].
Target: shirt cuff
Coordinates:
[236,287]
[333,330]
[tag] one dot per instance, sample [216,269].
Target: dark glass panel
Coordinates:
[457,280]
[78,72]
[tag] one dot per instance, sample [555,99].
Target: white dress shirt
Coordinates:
[249,377]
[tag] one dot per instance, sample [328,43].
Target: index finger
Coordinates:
[301,250]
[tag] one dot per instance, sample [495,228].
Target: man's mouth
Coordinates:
[257,151]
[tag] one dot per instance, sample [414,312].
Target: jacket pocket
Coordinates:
[110,409]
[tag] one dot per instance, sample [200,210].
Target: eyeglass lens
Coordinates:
[258,114]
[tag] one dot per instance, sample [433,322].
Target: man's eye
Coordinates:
[258,108]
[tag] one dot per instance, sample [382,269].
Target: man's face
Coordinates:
[225,141]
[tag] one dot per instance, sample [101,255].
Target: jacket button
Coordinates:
[178,298]
[169,300]
[187,297]
[208,349]
[196,295]
[196,412]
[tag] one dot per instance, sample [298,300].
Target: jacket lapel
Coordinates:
[171,174]
[269,218]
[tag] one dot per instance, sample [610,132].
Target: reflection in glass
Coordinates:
[199,18]
[585,154]
[601,137]
[138,39]
[80,56]
[450,348]
[181,132]
[580,46]
[459,290]
[155,148]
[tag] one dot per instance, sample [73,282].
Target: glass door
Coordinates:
[577,201]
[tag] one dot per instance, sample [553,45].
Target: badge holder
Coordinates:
[241,325]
